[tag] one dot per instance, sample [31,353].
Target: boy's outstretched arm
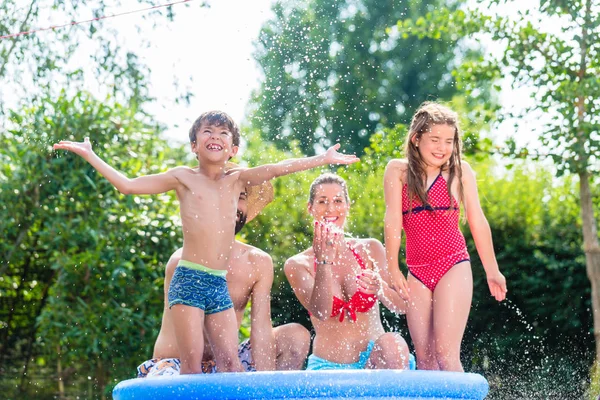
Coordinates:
[149,184]
[263,173]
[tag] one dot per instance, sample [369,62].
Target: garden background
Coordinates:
[81,266]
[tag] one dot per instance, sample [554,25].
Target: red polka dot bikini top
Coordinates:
[432,231]
[359,302]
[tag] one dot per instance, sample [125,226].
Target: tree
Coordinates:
[81,287]
[88,55]
[335,71]
[563,65]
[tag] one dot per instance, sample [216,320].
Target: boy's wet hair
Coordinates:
[216,118]
[430,114]
[324,179]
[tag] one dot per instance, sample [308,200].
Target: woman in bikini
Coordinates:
[423,194]
[340,282]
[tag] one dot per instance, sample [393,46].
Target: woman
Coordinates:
[339,281]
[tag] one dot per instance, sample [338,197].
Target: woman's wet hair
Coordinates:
[240,221]
[324,179]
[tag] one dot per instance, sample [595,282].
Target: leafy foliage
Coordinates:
[336,71]
[49,61]
[82,280]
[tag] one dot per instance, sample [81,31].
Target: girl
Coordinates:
[337,280]
[423,194]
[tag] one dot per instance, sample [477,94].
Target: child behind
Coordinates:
[423,194]
[208,196]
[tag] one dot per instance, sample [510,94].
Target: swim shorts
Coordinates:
[172,366]
[197,286]
[317,363]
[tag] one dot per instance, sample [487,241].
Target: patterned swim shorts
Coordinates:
[197,286]
[172,366]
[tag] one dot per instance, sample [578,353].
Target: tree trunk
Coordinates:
[59,372]
[101,379]
[591,247]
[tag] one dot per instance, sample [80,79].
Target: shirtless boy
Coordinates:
[249,278]
[208,197]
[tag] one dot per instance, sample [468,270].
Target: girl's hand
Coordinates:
[497,285]
[80,148]
[325,244]
[333,157]
[369,282]
[399,283]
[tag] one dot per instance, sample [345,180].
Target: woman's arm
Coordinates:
[315,293]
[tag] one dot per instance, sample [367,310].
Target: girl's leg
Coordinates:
[222,331]
[187,324]
[292,343]
[451,305]
[390,352]
[420,323]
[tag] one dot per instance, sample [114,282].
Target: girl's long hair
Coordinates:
[428,115]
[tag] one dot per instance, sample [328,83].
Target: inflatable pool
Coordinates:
[307,385]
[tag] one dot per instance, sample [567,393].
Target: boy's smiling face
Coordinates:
[214,143]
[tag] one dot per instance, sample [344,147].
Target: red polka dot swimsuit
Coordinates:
[434,242]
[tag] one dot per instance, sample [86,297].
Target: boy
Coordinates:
[249,278]
[208,197]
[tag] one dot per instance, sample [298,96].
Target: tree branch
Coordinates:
[14,41]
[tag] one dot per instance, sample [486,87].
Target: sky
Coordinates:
[209,52]
[212,45]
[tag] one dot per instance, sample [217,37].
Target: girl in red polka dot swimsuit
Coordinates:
[423,194]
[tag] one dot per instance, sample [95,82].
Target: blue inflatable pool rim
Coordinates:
[359,384]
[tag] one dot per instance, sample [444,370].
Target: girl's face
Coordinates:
[436,147]
[329,204]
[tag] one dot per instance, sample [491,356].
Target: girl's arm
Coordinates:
[392,185]
[482,234]
[149,184]
[263,173]
[378,280]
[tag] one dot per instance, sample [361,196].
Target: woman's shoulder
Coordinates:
[302,259]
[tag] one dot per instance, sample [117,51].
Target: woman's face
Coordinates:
[329,204]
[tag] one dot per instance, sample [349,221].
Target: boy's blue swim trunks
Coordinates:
[197,286]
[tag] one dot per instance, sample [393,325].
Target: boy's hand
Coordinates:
[333,157]
[83,149]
